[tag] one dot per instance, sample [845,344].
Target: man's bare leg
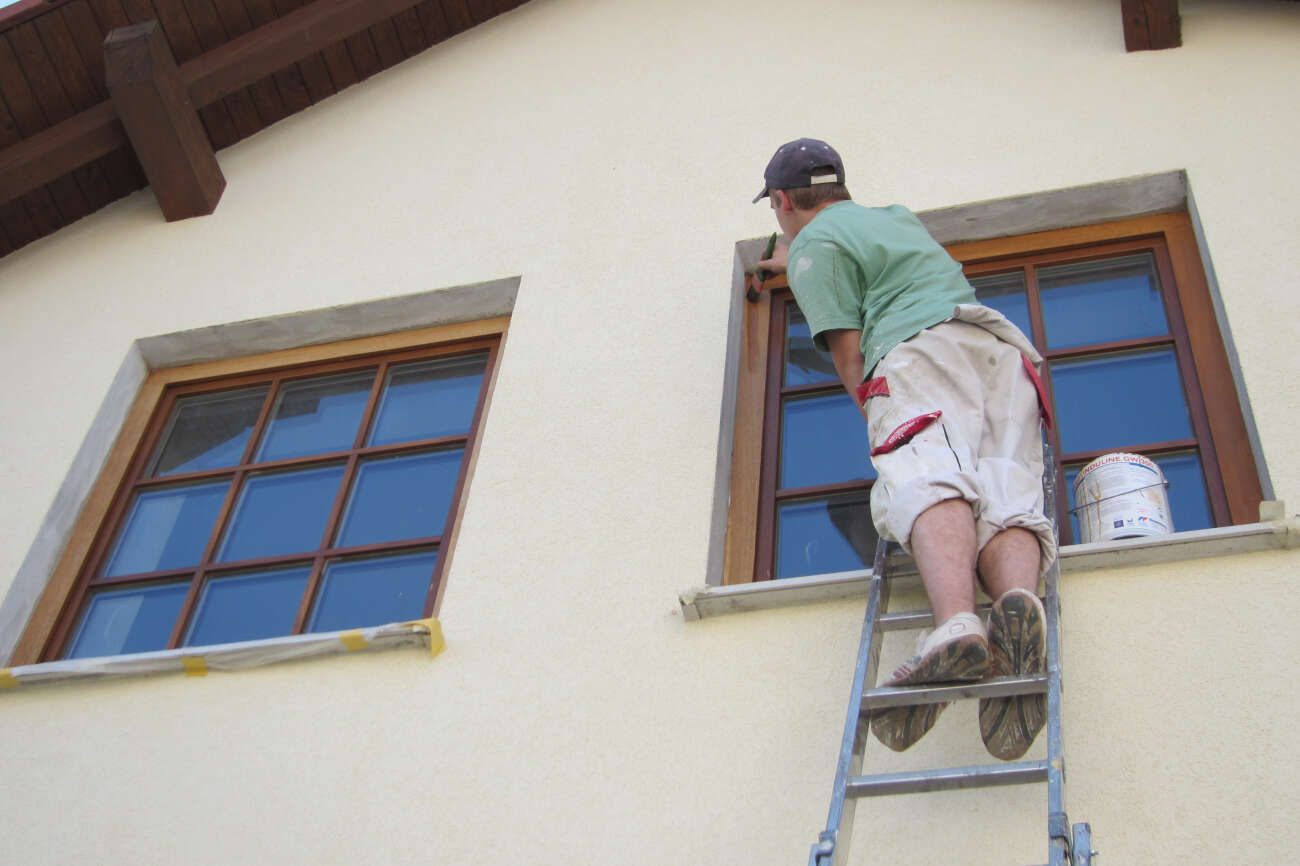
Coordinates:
[943,545]
[1009,561]
[1008,566]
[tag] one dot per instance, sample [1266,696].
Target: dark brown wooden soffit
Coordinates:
[244,64]
[1150,25]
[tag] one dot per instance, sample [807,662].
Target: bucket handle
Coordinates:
[1078,508]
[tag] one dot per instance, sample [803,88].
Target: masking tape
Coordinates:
[436,642]
[354,640]
[8,680]
[194,666]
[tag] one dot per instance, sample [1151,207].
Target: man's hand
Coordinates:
[776,263]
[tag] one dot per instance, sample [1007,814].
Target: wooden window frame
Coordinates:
[53,619]
[1207,376]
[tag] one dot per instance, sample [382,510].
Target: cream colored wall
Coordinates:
[607,152]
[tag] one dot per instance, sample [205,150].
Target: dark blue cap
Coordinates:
[793,164]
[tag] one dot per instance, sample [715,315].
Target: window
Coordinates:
[1134,362]
[300,497]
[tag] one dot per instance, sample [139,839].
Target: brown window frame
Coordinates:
[1222,439]
[55,617]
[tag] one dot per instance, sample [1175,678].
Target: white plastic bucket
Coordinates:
[1121,496]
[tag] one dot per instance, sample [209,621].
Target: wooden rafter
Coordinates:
[97,132]
[150,99]
[1150,25]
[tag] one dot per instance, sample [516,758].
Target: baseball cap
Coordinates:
[793,164]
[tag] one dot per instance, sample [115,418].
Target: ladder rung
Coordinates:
[979,776]
[904,620]
[997,687]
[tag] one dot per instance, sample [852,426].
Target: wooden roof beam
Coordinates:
[83,138]
[1150,25]
[150,98]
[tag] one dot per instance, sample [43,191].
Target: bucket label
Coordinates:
[1121,496]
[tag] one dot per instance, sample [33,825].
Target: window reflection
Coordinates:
[1006,294]
[1120,400]
[823,441]
[805,364]
[824,535]
[208,431]
[1103,301]
[316,416]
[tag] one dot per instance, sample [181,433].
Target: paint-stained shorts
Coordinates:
[954,413]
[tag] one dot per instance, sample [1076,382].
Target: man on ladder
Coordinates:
[951,397]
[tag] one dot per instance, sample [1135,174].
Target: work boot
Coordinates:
[1017,647]
[955,652]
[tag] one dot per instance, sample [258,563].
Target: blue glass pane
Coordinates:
[128,621]
[804,362]
[823,441]
[1071,473]
[281,513]
[248,606]
[208,431]
[396,498]
[1101,302]
[363,592]
[316,416]
[1189,503]
[1118,401]
[429,399]
[167,529]
[821,536]
[1006,294]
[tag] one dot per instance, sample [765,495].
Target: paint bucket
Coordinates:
[1121,496]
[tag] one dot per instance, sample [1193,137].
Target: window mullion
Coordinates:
[187,610]
[1053,433]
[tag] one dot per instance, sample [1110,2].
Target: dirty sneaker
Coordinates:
[1017,646]
[956,651]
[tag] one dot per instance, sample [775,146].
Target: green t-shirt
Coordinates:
[876,269]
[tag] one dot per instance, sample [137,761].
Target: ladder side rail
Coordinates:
[1058,829]
[826,851]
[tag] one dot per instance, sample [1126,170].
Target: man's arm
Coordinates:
[846,352]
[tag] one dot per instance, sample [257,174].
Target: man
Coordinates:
[951,398]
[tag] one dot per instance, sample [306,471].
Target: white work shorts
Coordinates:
[954,413]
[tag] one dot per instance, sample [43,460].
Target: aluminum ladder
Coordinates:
[1067,845]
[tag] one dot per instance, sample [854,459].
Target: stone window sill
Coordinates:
[197,661]
[1275,531]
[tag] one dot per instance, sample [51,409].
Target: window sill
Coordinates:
[1276,531]
[197,661]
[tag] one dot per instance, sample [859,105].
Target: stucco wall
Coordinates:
[606,152]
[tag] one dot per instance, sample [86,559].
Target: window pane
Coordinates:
[401,497]
[1006,294]
[167,529]
[316,416]
[823,441]
[1189,503]
[1121,400]
[362,592]
[1101,302]
[248,606]
[820,536]
[804,362]
[429,399]
[281,513]
[208,431]
[128,621]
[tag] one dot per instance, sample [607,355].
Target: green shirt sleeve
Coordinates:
[827,286]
